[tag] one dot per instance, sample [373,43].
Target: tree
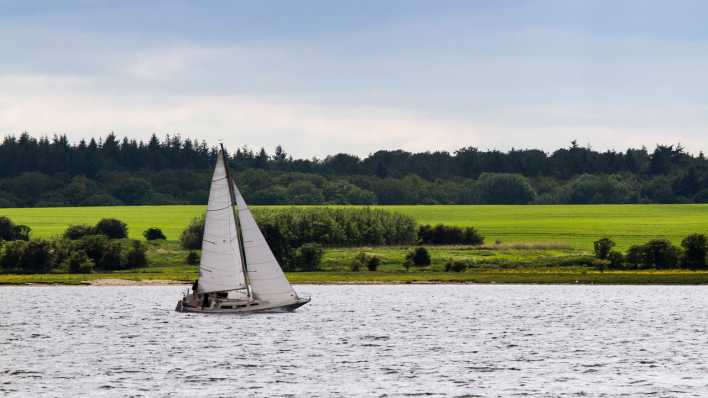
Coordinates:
[112,228]
[36,257]
[505,188]
[191,238]
[661,253]
[418,256]
[308,257]
[695,248]
[603,247]
[10,231]
[136,256]
[75,232]
[78,263]
[153,233]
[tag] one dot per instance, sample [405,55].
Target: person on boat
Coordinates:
[195,286]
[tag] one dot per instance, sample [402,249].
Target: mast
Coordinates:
[241,243]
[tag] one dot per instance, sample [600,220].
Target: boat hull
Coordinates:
[181,307]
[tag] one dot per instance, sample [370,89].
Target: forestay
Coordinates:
[268,282]
[220,267]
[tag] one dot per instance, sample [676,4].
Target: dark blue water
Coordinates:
[433,340]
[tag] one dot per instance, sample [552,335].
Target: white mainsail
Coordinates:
[220,267]
[268,282]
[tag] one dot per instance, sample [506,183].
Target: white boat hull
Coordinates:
[240,307]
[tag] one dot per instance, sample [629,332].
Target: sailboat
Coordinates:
[238,272]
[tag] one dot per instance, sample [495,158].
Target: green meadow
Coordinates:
[524,244]
[575,225]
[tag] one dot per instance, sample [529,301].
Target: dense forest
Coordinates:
[44,172]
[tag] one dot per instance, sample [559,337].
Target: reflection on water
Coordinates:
[444,340]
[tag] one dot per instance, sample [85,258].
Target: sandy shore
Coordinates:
[127,282]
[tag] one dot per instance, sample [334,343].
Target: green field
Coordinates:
[576,225]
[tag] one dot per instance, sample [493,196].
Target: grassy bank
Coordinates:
[575,225]
[507,263]
[517,275]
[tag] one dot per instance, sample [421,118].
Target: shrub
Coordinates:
[36,257]
[78,263]
[373,263]
[287,229]
[191,238]
[418,256]
[695,248]
[457,265]
[136,257]
[600,264]
[603,247]
[369,261]
[635,256]
[308,257]
[153,234]
[449,235]
[112,228]
[11,255]
[93,246]
[192,258]
[661,253]
[21,232]
[75,232]
[111,257]
[615,259]
[10,231]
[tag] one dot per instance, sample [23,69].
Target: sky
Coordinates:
[324,77]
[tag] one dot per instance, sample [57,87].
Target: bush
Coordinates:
[695,248]
[308,257]
[10,231]
[661,253]
[449,235]
[112,228]
[21,232]
[369,261]
[36,257]
[287,229]
[75,232]
[136,257]
[78,263]
[658,253]
[615,259]
[373,263]
[11,254]
[192,258]
[111,257]
[418,256]
[153,234]
[635,256]
[457,265]
[603,247]
[192,236]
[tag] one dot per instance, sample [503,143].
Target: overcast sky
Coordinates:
[322,77]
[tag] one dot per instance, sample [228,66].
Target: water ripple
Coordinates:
[387,341]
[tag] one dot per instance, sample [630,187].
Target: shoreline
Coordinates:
[507,277]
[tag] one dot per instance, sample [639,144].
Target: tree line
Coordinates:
[657,253]
[46,172]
